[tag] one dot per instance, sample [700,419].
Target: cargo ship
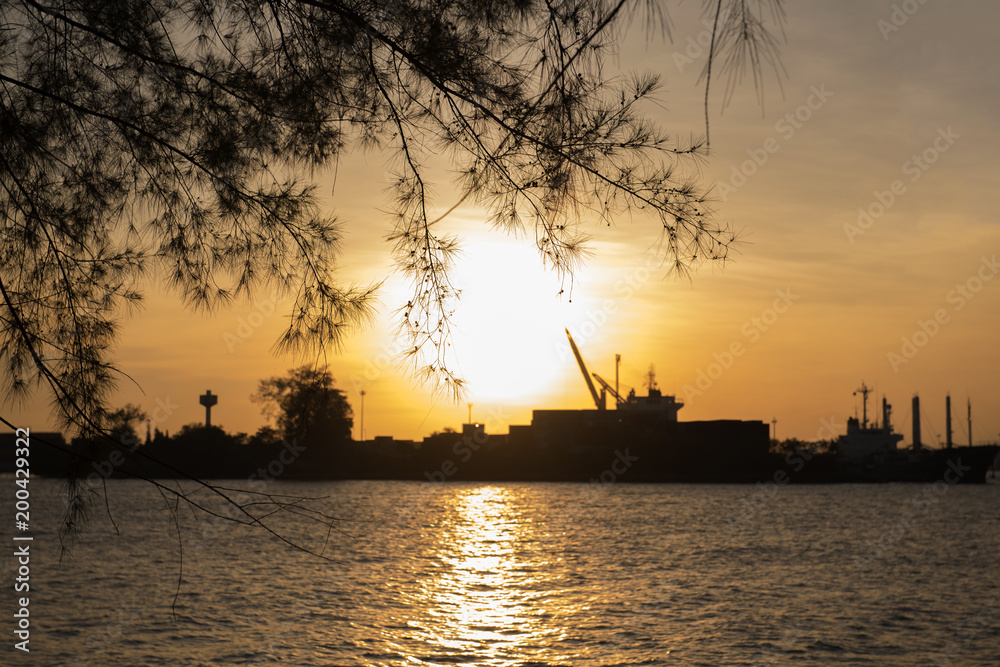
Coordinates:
[640,439]
[871,453]
[637,439]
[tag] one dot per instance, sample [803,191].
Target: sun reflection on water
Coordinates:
[487,601]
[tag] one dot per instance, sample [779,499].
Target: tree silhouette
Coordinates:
[306,407]
[178,136]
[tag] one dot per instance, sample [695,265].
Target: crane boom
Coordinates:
[608,388]
[583,369]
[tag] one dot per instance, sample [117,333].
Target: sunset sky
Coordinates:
[897,120]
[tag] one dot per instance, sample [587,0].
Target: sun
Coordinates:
[509,323]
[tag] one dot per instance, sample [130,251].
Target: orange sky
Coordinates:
[905,299]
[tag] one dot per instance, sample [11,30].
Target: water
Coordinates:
[528,574]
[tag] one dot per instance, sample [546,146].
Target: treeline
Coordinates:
[312,418]
[202,452]
[794,446]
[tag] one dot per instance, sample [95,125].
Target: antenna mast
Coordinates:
[864,391]
[651,377]
[363,392]
[618,362]
[970,421]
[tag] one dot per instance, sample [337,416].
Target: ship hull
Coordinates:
[959,465]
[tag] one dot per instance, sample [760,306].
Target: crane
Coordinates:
[606,386]
[598,398]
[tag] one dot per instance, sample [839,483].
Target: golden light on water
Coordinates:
[491,592]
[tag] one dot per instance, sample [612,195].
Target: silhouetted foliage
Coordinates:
[794,445]
[265,435]
[124,423]
[122,435]
[204,452]
[306,407]
[178,136]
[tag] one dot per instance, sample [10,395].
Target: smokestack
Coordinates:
[970,422]
[947,408]
[916,423]
[885,415]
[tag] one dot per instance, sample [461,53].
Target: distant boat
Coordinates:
[872,454]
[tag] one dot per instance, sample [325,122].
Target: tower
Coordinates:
[208,400]
[362,427]
[970,421]
[947,419]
